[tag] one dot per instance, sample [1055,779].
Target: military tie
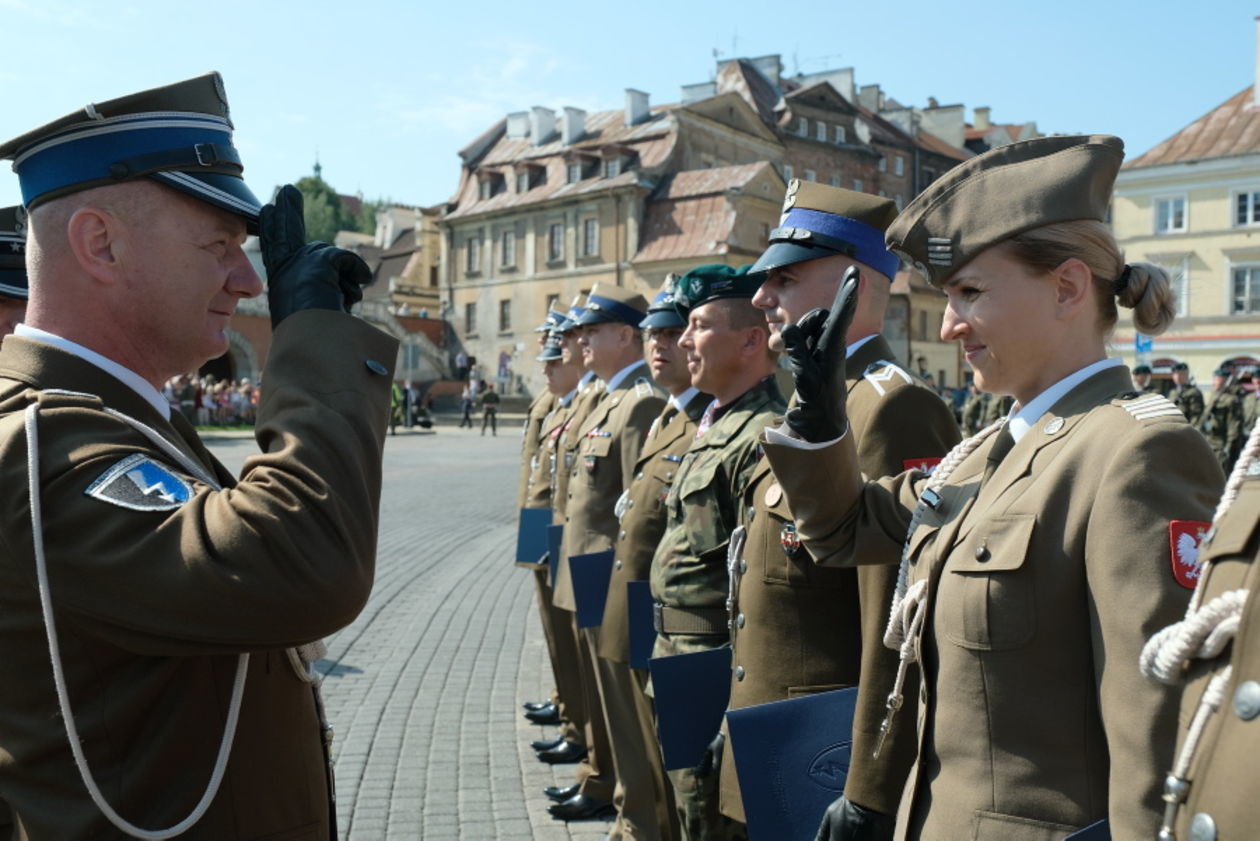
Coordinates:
[1005,441]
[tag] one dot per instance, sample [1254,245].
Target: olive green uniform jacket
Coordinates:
[153,604]
[531,447]
[1222,424]
[802,628]
[689,569]
[643,518]
[606,446]
[1190,401]
[1045,578]
[1223,772]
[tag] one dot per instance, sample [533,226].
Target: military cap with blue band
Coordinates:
[179,135]
[823,221]
[571,318]
[13,253]
[663,313]
[613,303]
[715,281]
[550,349]
[552,321]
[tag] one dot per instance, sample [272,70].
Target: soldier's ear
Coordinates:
[92,235]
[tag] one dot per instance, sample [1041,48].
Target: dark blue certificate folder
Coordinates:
[691,692]
[591,574]
[642,635]
[792,758]
[531,535]
[1100,831]
[555,540]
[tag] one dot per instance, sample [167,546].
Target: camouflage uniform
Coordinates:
[973,412]
[1190,401]
[997,408]
[1222,424]
[689,575]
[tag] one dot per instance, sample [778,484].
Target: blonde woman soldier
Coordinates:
[1036,559]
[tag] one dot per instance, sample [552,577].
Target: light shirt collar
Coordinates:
[680,401]
[1022,420]
[621,375]
[568,398]
[128,377]
[853,348]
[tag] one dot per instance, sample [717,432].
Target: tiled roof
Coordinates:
[932,143]
[690,215]
[1012,130]
[1232,128]
[747,81]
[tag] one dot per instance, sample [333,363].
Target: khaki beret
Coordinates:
[1002,193]
[823,221]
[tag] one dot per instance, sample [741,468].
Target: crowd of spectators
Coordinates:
[208,401]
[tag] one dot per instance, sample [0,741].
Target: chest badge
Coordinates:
[1186,539]
[774,494]
[1054,426]
[141,484]
[790,541]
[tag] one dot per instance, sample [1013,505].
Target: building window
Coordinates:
[810,175]
[522,182]
[898,201]
[553,303]
[485,188]
[858,185]
[1170,215]
[1247,208]
[433,275]
[575,172]
[590,237]
[899,166]
[470,319]
[883,164]
[507,249]
[835,181]
[883,194]
[1179,275]
[472,255]
[839,134]
[1246,289]
[787,173]
[555,241]
[612,167]
[505,316]
[820,131]
[802,128]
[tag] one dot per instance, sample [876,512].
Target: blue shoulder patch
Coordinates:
[141,484]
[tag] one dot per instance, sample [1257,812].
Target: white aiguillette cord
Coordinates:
[54,649]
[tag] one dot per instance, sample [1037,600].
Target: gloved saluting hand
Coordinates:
[302,275]
[845,821]
[816,349]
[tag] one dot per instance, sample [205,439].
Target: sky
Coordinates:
[385,94]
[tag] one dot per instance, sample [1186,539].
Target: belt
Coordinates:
[704,621]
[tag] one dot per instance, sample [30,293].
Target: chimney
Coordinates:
[982,118]
[870,97]
[1255,91]
[573,126]
[932,103]
[518,124]
[637,107]
[698,91]
[542,124]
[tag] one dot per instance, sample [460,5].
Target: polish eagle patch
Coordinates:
[1186,539]
[141,484]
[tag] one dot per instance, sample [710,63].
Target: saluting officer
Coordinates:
[728,355]
[1023,600]
[1222,418]
[1185,395]
[641,511]
[799,627]
[152,602]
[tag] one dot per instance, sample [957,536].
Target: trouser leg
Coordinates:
[662,789]
[595,774]
[565,669]
[698,814]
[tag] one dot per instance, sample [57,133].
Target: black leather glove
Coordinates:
[845,821]
[302,275]
[711,762]
[815,348]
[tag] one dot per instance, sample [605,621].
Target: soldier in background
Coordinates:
[1222,418]
[728,355]
[1185,395]
[1142,380]
[973,410]
[998,407]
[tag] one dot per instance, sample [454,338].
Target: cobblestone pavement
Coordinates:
[424,688]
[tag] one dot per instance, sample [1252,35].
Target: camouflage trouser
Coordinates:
[697,798]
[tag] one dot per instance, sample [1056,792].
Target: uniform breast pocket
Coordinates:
[987,597]
[595,457]
[785,559]
[700,506]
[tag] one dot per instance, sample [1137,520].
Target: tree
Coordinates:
[323,211]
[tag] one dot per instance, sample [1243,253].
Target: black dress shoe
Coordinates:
[534,706]
[560,795]
[566,753]
[549,714]
[547,744]
[582,808]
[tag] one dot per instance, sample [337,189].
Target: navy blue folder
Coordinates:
[642,635]
[1100,831]
[591,574]
[792,758]
[555,540]
[531,536]
[691,691]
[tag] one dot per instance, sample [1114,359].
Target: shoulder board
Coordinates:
[1147,406]
[880,373]
[643,387]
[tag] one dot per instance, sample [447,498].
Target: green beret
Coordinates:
[1002,193]
[1142,369]
[13,253]
[709,283]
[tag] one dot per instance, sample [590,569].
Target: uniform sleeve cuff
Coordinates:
[782,436]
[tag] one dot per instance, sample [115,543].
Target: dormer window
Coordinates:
[580,167]
[490,184]
[529,176]
[612,167]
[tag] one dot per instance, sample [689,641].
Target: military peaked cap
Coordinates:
[550,348]
[576,311]
[179,135]
[613,303]
[714,281]
[551,322]
[13,253]
[1002,193]
[664,312]
[822,221]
